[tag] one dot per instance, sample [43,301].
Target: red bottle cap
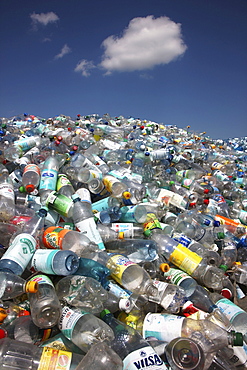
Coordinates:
[3,333]
[30,188]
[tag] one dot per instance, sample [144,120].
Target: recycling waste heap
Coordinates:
[122,246]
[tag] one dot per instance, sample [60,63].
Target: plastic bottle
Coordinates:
[7,197]
[136,213]
[13,286]
[22,247]
[57,237]
[210,336]
[185,353]
[114,186]
[60,203]
[131,347]
[31,177]
[188,261]
[54,262]
[19,355]
[44,305]
[84,220]
[64,186]
[137,250]
[236,315]
[84,329]
[82,292]
[48,180]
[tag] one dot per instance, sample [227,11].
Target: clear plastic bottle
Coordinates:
[19,355]
[48,180]
[55,262]
[31,177]
[84,219]
[13,286]
[22,247]
[84,329]
[7,197]
[131,347]
[82,292]
[64,186]
[44,305]
[136,213]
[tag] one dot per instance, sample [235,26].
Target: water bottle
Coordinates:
[44,305]
[22,247]
[7,197]
[48,180]
[94,269]
[31,177]
[54,262]
[131,347]
[84,220]
[64,186]
[60,203]
[84,329]
[13,286]
[136,213]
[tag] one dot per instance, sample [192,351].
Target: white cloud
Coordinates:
[44,18]
[65,50]
[84,67]
[145,43]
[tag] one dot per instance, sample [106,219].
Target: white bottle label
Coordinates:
[42,261]
[68,321]
[229,309]
[164,299]
[162,326]
[127,228]
[89,228]
[21,249]
[143,358]
[7,191]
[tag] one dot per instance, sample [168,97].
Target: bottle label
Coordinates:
[53,237]
[167,300]
[128,213]
[243,217]
[108,181]
[26,143]
[32,167]
[162,326]
[230,309]
[100,205]
[48,179]
[7,191]
[127,228]
[185,259]
[42,261]
[88,227]
[42,279]
[151,222]
[21,249]
[62,181]
[60,203]
[68,321]
[176,276]
[117,264]
[54,359]
[118,291]
[143,359]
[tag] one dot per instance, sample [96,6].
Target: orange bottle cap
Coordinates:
[126,195]
[121,235]
[31,287]
[3,314]
[164,267]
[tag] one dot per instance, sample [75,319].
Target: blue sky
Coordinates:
[180,62]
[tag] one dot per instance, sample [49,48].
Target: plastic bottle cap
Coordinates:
[206,191]
[206,201]
[126,195]
[124,304]
[237,338]
[30,188]
[31,287]
[164,267]
[3,314]
[104,313]
[220,235]
[23,313]
[121,235]
[3,333]
[225,292]
[22,189]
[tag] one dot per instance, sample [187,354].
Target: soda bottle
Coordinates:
[44,304]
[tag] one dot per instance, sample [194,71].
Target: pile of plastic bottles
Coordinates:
[123,245]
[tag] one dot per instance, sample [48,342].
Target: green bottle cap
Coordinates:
[104,312]
[223,267]
[220,235]
[147,232]
[237,338]
[22,189]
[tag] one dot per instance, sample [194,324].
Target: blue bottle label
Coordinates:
[48,179]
